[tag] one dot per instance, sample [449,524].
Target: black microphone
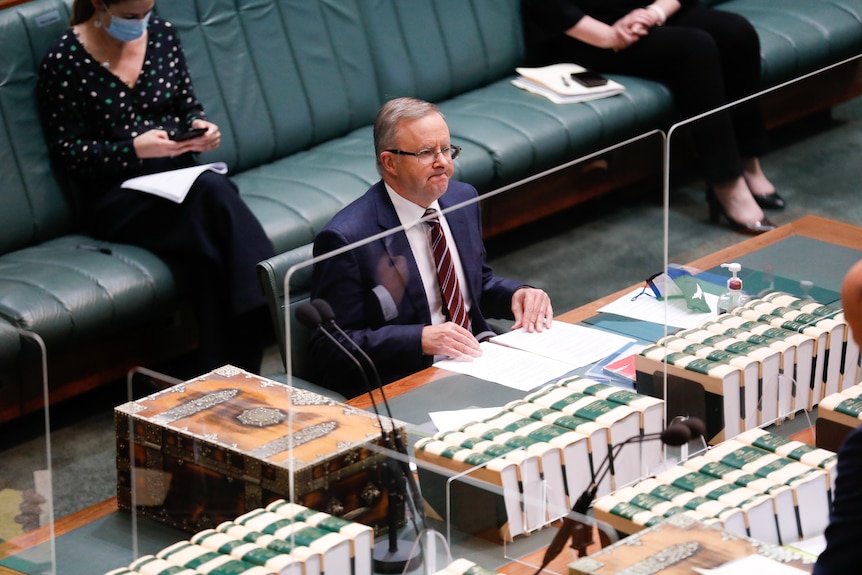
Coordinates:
[695,425]
[675,434]
[310,317]
[328,317]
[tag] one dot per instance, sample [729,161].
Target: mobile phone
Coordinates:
[589,79]
[191,134]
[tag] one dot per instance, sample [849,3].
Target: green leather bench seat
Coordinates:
[294,86]
[506,134]
[72,288]
[10,345]
[524,134]
[799,36]
[295,196]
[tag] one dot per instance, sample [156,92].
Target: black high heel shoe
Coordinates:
[716,211]
[769,201]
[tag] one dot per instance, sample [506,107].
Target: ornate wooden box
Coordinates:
[681,545]
[215,447]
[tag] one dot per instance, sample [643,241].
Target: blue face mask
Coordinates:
[127,29]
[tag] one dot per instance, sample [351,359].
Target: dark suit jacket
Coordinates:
[841,555]
[348,282]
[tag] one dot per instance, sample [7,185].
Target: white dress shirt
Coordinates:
[419,237]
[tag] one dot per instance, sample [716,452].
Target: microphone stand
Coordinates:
[581,533]
[398,440]
[392,555]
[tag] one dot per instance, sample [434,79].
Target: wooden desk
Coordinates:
[813,227]
[810,226]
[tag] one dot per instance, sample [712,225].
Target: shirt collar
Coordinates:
[408,212]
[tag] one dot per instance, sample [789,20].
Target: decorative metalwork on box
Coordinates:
[294,440]
[663,559]
[228,371]
[262,416]
[305,397]
[228,442]
[782,554]
[194,406]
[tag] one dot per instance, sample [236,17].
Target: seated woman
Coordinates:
[706,57]
[114,94]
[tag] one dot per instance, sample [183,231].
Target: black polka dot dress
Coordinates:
[90,118]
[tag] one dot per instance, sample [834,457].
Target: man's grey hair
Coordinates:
[388,118]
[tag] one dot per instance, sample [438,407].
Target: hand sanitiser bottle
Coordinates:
[734,297]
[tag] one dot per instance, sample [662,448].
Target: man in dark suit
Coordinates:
[841,555]
[387,294]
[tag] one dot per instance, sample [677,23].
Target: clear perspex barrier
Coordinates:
[216,452]
[27,491]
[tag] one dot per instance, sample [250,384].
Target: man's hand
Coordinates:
[449,339]
[532,309]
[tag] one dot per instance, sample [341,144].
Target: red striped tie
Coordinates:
[453,299]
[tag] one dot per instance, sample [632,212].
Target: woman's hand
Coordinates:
[623,35]
[206,143]
[157,143]
[638,22]
[617,37]
[154,144]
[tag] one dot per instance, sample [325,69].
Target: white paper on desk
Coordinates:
[751,565]
[451,420]
[576,345]
[647,308]
[508,366]
[173,185]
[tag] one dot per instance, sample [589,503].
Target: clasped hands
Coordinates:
[631,28]
[531,308]
[158,144]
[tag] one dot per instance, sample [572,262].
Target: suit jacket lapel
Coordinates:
[397,245]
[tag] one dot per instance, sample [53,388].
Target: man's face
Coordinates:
[421,184]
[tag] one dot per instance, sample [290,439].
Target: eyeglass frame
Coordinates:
[452,150]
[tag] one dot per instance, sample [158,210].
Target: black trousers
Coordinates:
[214,242]
[706,58]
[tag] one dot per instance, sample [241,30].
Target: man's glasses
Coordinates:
[427,157]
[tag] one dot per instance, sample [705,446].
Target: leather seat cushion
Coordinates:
[67,289]
[799,36]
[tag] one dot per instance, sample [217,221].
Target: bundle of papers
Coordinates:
[554,83]
[523,360]
[173,185]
